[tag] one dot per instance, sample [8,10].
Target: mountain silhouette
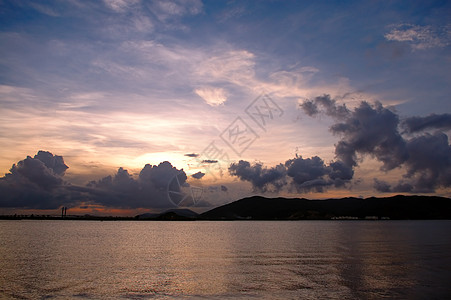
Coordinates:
[397,207]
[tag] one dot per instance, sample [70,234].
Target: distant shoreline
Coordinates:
[258,208]
[115,219]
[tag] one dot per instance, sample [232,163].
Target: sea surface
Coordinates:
[225,260]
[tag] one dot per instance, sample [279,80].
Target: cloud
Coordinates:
[213,96]
[192,154]
[150,190]
[371,129]
[233,66]
[120,5]
[429,162]
[313,173]
[368,129]
[43,170]
[44,9]
[340,173]
[420,37]
[324,104]
[175,8]
[198,175]
[433,121]
[209,161]
[260,177]
[384,187]
[381,186]
[35,182]
[302,174]
[38,183]
[307,173]
[53,162]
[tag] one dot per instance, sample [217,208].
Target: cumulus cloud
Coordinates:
[374,130]
[307,173]
[262,178]
[325,104]
[53,162]
[303,174]
[150,189]
[37,182]
[419,37]
[340,173]
[429,163]
[368,129]
[371,130]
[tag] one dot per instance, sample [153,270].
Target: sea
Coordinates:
[63,259]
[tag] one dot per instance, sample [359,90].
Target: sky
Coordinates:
[124,107]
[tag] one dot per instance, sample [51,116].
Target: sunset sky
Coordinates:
[311,99]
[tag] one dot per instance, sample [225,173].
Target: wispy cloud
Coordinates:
[120,5]
[45,9]
[175,8]
[213,96]
[420,37]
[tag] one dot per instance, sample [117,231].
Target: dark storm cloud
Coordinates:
[313,174]
[340,173]
[209,161]
[429,163]
[385,187]
[415,124]
[53,162]
[260,177]
[381,186]
[403,187]
[150,189]
[330,107]
[192,154]
[302,174]
[38,183]
[370,130]
[198,175]
[307,173]
[374,130]
[36,172]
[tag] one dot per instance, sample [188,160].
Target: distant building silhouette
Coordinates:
[63,211]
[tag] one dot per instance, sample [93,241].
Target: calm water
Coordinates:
[225,260]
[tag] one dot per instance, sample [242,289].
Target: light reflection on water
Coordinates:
[284,260]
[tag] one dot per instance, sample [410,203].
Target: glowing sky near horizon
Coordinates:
[116,83]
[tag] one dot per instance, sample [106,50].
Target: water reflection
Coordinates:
[386,260]
[285,260]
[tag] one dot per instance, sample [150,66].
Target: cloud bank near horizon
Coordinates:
[418,145]
[37,183]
